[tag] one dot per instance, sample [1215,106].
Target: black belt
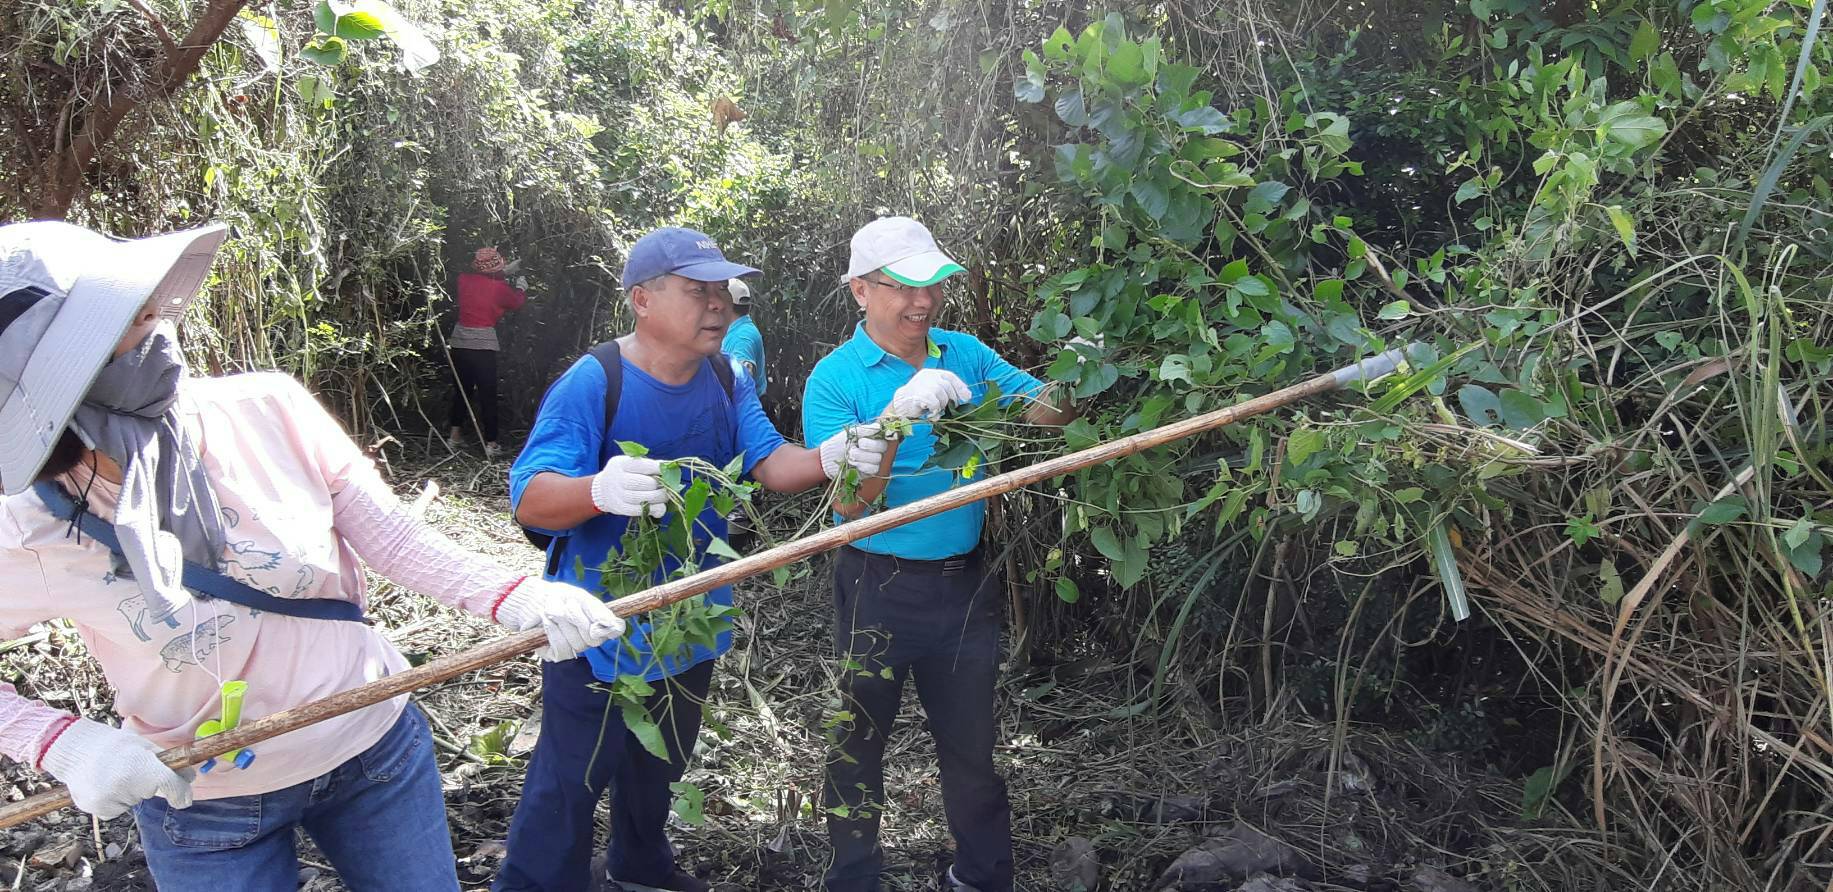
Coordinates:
[944,566]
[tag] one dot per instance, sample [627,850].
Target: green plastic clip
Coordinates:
[227,720]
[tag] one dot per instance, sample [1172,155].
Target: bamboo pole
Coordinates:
[510,646]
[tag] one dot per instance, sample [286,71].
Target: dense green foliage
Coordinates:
[1602,228]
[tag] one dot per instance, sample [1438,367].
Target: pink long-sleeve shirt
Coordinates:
[301,504]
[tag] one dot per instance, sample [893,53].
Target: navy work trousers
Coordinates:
[936,622]
[585,747]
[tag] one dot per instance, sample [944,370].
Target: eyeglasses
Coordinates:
[898,288]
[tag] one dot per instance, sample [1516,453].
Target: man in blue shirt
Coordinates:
[918,601]
[744,343]
[574,482]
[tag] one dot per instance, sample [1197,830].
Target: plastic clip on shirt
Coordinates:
[227,720]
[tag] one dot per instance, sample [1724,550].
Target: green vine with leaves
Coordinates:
[654,551]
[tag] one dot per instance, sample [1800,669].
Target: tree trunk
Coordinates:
[58,180]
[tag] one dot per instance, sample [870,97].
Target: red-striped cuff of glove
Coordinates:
[504,597]
[57,730]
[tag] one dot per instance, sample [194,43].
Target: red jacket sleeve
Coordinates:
[509,297]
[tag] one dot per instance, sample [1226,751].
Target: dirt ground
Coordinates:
[1102,798]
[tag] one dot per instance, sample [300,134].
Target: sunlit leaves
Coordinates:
[263,37]
[358,25]
[1626,230]
[338,23]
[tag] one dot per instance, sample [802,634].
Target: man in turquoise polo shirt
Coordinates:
[919,601]
[744,343]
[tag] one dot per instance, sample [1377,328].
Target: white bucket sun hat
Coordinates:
[904,249]
[67,295]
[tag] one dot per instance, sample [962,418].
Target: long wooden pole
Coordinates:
[511,646]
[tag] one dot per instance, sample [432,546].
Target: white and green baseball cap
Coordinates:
[904,249]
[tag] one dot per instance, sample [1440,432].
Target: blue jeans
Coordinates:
[380,818]
[584,748]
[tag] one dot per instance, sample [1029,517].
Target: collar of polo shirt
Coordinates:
[874,354]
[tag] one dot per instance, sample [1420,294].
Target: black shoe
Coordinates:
[679,881]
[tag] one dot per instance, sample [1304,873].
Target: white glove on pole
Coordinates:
[928,393]
[521,283]
[861,446]
[109,770]
[630,486]
[574,620]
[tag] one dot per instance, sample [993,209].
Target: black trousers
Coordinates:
[476,387]
[585,747]
[937,623]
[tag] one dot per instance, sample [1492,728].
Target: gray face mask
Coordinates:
[167,513]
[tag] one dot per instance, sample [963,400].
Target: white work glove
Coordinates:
[109,770]
[630,486]
[861,445]
[927,394]
[574,620]
[521,283]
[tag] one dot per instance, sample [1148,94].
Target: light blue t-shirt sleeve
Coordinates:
[1013,382]
[757,437]
[568,435]
[826,409]
[746,346]
[740,370]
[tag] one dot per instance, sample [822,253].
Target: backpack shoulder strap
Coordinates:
[722,369]
[611,358]
[611,361]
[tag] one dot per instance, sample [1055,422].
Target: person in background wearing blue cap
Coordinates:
[920,601]
[573,482]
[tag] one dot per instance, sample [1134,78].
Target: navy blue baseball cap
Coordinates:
[683,252]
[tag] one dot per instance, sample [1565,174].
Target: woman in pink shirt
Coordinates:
[483,298]
[128,489]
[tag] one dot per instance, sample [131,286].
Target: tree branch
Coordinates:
[152,18]
[174,70]
[65,172]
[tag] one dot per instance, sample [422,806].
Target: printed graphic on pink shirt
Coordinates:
[195,646]
[272,455]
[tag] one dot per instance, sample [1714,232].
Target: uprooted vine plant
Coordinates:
[654,551]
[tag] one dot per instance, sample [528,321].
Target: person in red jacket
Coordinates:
[483,298]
